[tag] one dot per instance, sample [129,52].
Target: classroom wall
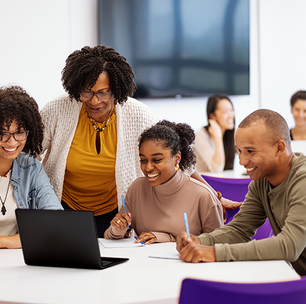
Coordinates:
[37,36]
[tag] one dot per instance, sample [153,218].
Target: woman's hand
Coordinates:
[228,205]
[214,130]
[121,220]
[147,238]
[10,242]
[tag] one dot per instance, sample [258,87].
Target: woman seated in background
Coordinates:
[298,110]
[156,203]
[23,181]
[214,144]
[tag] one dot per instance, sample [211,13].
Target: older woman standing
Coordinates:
[91,134]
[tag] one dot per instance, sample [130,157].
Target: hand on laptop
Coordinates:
[122,220]
[10,242]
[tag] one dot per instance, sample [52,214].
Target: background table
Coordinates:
[140,280]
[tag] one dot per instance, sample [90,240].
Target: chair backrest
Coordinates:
[201,291]
[236,189]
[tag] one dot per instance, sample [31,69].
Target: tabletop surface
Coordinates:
[140,280]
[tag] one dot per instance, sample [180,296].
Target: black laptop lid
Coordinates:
[60,238]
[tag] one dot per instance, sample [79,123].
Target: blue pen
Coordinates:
[135,237]
[186,225]
[123,204]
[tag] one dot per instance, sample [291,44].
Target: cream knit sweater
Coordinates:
[60,117]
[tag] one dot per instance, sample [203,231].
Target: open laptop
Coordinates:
[61,239]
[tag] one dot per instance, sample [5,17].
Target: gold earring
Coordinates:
[177,167]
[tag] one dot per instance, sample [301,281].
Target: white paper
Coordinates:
[121,243]
[170,254]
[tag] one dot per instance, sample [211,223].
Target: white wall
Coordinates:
[36,36]
[282,28]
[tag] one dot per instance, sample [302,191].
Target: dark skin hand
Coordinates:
[147,238]
[121,220]
[192,251]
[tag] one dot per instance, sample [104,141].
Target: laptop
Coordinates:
[61,239]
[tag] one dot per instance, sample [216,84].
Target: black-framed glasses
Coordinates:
[18,136]
[102,96]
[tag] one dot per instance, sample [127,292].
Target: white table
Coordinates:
[140,280]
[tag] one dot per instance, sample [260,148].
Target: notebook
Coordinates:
[61,239]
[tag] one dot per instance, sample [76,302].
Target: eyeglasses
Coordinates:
[102,96]
[18,136]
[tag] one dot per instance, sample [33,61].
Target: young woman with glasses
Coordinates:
[23,182]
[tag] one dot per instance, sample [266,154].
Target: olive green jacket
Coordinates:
[284,206]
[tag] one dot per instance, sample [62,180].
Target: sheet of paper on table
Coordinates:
[121,243]
[170,254]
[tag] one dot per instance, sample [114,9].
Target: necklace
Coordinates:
[3,209]
[96,128]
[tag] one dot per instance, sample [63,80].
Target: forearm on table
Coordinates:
[10,242]
[163,237]
[113,233]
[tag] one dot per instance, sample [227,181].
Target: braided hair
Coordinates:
[176,137]
[16,104]
[83,68]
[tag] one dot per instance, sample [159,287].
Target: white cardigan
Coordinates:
[60,117]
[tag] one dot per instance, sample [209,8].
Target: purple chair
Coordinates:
[236,189]
[210,292]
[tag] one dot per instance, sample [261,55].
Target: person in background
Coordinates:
[214,143]
[298,110]
[155,203]
[277,192]
[23,181]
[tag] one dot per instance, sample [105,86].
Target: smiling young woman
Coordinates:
[298,110]
[156,202]
[23,182]
[214,144]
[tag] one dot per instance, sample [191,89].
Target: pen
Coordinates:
[135,237]
[123,204]
[186,225]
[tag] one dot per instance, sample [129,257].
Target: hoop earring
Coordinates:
[177,167]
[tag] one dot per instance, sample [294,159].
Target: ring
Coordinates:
[118,221]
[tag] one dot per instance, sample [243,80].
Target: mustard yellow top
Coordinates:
[89,182]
